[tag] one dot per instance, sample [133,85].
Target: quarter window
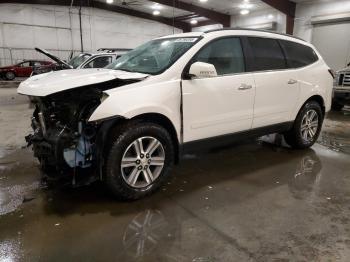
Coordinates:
[267,54]
[225,54]
[298,55]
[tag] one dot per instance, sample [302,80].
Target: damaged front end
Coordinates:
[64,142]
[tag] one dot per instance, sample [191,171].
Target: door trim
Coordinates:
[224,140]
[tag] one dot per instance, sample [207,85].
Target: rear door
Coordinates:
[219,105]
[277,86]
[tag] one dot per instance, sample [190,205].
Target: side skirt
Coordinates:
[225,140]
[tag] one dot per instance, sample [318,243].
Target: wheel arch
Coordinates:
[165,122]
[319,99]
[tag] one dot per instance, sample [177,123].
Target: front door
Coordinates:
[24,69]
[223,104]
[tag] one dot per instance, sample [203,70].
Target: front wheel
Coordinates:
[307,126]
[139,160]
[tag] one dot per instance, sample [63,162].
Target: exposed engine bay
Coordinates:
[63,140]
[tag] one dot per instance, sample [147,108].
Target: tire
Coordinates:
[336,106]
[296,137]
[129,182]
[10,75]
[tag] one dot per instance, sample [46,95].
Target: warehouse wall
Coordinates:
[261,20]
[305,12]
[56,28]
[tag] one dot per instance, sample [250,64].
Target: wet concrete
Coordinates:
[257,201]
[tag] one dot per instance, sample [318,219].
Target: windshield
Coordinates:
[155,56]
[78,60]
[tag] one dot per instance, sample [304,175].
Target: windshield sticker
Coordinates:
[185,40]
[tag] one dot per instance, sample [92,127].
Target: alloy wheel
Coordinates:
[142,162]
[309,125]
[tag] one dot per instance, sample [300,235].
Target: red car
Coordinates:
[22,69]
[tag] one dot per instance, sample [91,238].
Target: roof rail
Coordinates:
[250,29]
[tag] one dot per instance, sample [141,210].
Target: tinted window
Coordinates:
[298,55]
[267,54]
[225,54]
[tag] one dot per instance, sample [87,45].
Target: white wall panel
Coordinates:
[56,28]
[305,12]
[258,18]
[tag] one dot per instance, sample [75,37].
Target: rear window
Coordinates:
[298,55]
[267,54]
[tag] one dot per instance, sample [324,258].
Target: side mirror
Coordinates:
[202,70]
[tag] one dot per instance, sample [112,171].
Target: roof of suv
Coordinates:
[259,32]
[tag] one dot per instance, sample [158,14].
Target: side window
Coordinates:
[99,62]
[225,54]
[298,55]
[267,54]
[24,64]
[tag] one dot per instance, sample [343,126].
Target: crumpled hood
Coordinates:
[57,81]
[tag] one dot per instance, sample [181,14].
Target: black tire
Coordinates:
[336,106]
[294,136]
[10,75]
[120,143]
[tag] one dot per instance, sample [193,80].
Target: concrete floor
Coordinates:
[257,201]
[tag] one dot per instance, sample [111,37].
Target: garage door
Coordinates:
[333,42]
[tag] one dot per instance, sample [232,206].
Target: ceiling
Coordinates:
[228,7]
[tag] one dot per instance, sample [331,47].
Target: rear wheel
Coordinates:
[307,126]
[10,75]
[139,160]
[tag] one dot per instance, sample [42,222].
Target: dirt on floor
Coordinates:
[256,201]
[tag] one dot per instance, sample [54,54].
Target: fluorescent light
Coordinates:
[245,6]
[109,1]
[245,12]
[156,12]
[156,7]
[194,22]
[203,1]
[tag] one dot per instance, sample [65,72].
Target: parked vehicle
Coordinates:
[22,69]
[130,123]
[341,90]
[104,57]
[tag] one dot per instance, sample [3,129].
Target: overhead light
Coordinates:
[203,1]
[156,7]
[109,1]
[246,1]
[194,22]
[270,16]
[156,12]
[245,12]
[246,6]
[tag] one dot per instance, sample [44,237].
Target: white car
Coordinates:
[129,124]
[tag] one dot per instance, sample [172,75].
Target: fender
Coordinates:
[162,98]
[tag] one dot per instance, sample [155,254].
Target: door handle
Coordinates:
[292,81]
[245,87]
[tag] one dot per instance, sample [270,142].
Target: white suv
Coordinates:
[127,125]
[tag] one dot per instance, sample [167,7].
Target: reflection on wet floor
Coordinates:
[255,201]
